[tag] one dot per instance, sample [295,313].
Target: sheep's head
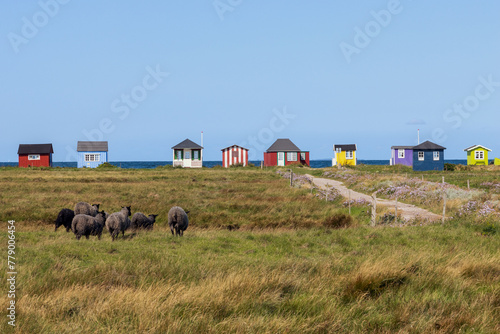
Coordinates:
[96,206]
[128,209]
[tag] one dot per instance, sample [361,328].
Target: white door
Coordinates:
[187,158]
[281,158]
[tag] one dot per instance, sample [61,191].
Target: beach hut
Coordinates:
[344,154]
[234,155]
[188,154]
[477,155]
[284,153]
[428,156]
[402,155]
[91,153]
[35,155]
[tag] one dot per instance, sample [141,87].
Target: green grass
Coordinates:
[299,276]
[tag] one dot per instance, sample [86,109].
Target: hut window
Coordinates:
[187,155]
[178,154]
[291,156]
[92,157]
[196,154]
[401,154]
[349,154]
[436,155]
[34,157]
[479,155]
[302,156]
[421,156]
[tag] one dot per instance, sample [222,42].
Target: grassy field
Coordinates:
[285,270]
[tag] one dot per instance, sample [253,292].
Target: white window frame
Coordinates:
[349,155]
[302,156]
[291,156]
[195,154]
[34,157]
[479,155]
[421,156]
[435,155]
[92,157]
[401,153]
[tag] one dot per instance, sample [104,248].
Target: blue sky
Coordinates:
[145,75]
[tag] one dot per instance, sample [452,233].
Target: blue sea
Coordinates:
[210,164]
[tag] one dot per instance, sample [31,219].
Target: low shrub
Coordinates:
[338,220]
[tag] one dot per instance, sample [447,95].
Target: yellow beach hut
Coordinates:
[344,154]
[477,155]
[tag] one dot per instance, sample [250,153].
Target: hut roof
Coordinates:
[234,146]
[402,147]
[345,147]
[88,146]
[283,145]
[476,146]
[35,149]
[427,145]
[186,144]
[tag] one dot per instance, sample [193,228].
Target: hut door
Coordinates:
[281,158]
[187,158]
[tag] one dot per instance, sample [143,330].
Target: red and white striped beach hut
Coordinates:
[234,155]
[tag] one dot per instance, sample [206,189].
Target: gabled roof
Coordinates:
[402,148]
[283,145]
[476,146]
[234,146]
[186,144]
[427,145]
[95,146]
[35,149]
[345,147]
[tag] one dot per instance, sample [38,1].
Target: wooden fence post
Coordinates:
[349,201]
[443,179]
[396,218]
[291,178]
[444,206]
[468,185]
[374,209]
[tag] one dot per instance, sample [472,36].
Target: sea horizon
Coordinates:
[322,163]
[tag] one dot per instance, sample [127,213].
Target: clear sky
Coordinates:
[145,75]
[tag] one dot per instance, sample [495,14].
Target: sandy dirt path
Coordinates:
[407,211]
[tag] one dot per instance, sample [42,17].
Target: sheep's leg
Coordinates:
[87,236]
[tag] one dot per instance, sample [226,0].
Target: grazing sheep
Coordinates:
[87,225]
[139,220]
[118,222]
[178,220]
[65,217]
[100,220]
[84,208]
